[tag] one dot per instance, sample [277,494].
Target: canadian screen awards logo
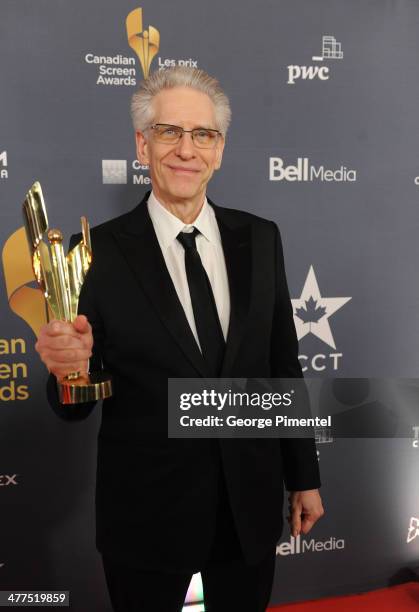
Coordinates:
[312,312]
[413,529]
[4,173]
[119,69]
[145,43]
[331,50]
[26,302]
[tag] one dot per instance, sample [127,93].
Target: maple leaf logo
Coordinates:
[312,313]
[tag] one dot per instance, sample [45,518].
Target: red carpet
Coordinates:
[400,598]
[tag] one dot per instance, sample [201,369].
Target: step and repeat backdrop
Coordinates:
[324,141]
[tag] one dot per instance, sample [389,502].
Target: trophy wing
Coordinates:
[36,226]
[79,260]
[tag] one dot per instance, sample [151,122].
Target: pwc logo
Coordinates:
[331,50]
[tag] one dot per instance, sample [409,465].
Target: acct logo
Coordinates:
[298,546]
[331,50]
[311,316]
[115,172]
[305,171]
[4,173]
[413,530]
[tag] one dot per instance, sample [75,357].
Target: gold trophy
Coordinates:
[61,278]
[144,42]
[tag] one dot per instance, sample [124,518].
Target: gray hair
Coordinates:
[142,111]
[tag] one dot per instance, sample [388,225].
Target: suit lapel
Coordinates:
[139,245]
[236,243]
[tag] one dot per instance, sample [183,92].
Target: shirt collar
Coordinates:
[167,226]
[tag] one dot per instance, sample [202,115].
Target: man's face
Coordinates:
[180,172]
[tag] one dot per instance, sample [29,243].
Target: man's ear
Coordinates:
[219,152]
[142,148]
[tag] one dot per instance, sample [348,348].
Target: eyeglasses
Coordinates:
[203,138]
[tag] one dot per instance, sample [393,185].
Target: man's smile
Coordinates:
[183,170]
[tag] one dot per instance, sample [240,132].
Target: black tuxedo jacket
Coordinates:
[156,497]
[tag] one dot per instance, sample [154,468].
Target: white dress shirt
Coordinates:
[208,243]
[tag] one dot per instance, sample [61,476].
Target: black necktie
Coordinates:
[205,313]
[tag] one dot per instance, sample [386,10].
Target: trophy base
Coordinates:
[90,388]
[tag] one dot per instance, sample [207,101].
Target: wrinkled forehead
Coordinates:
[185,107]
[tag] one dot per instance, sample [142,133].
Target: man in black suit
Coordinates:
[180,287]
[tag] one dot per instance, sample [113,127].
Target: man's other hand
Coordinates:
[66,347]
[305,508]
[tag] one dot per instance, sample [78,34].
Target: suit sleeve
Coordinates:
[77,412]
[301,468]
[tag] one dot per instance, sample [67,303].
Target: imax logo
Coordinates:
[3,161]
[295,546]
[303,171]
[331,50]
[6,480]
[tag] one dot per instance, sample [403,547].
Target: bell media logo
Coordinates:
[304,171]
[413,530]
[4,173]
[331,50]
[312,312]
[298,546]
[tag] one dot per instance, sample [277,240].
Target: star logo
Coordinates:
[413,531]
[312,311]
